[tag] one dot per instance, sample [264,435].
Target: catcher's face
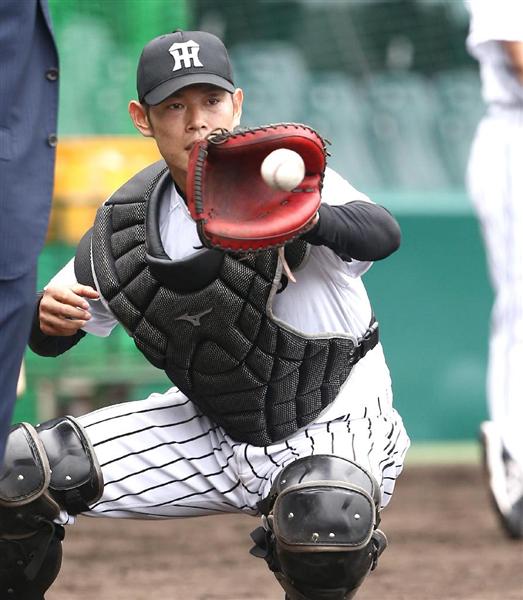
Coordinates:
[185,118]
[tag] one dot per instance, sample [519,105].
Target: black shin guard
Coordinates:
[45,470]
[320,536]
[28,566]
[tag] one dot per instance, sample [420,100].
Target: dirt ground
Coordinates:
[444,544]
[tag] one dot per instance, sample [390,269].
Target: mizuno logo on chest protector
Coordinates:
[185,55]
[193,319]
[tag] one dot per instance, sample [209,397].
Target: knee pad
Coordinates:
[45,470]
[320,536]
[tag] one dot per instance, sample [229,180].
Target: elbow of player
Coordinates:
[380,233]
[389,241]
[394,234]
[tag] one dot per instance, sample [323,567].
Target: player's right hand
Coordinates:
[65,310]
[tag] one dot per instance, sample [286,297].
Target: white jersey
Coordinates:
[162,458]
[491,22]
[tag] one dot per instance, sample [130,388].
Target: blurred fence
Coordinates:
[389,83]
[99,43]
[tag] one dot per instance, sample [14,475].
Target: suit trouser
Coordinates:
[17,301]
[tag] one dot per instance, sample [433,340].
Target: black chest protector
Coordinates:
[207,320]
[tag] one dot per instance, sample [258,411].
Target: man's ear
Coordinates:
[237,103]
[140,118]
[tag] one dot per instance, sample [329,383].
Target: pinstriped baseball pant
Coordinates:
[162,458]
[495,182]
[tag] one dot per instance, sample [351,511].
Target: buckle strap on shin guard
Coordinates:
[29,565]
[40,554]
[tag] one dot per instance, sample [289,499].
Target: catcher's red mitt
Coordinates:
[233,206]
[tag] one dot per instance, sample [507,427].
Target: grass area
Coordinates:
[466,452]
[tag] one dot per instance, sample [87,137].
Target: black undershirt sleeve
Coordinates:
[356,230]
[50,345]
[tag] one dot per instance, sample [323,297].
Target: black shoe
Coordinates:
[505,481]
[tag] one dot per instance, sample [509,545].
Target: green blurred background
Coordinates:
[389,83]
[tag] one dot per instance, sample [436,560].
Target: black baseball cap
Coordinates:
[175,60]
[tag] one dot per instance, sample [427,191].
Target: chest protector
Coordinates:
[207,320]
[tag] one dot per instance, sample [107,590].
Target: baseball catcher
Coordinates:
[281,405]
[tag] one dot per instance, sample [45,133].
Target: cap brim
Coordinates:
[167,88]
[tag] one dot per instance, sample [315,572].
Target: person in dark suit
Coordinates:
[28,123]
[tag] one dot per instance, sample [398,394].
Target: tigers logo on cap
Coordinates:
[185,55]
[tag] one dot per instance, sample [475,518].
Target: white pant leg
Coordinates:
[161,458]
[495,181]
[378,442]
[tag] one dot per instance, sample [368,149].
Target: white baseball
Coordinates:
[283,169]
